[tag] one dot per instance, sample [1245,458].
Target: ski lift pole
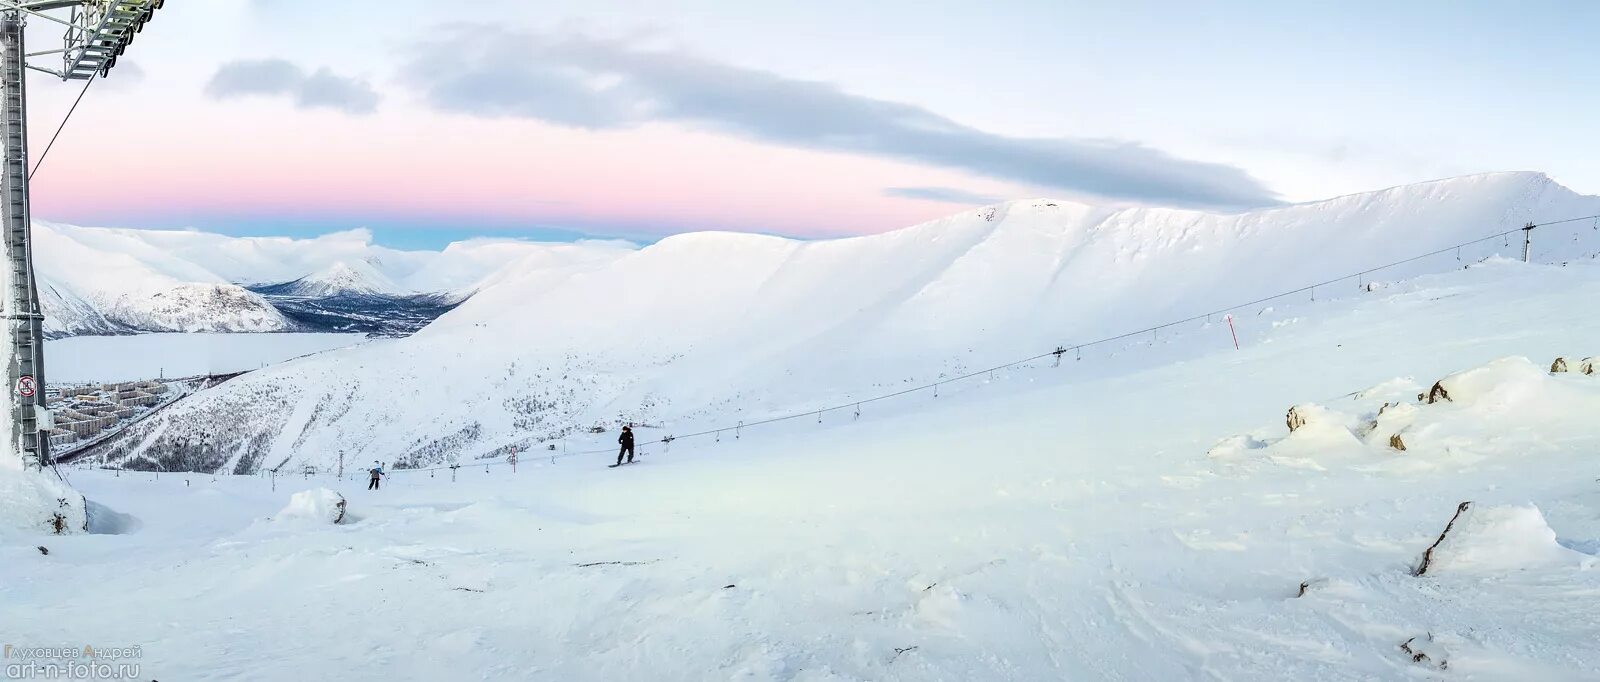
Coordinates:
[1527,242]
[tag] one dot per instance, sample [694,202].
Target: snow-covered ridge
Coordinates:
[106,280]
[727,326]
[344,277]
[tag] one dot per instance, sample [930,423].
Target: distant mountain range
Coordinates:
[355,297]
[121,281]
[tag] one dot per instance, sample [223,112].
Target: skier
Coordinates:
[375,473]
[626,440]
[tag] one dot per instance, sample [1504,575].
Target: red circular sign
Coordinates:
[26,386]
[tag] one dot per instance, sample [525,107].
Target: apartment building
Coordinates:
[60,438]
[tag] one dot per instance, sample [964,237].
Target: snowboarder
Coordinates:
[626,440]
[375,473]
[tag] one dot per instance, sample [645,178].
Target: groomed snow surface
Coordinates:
[1146,518]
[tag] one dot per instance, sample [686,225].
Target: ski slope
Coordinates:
[705,330]
[1141,516]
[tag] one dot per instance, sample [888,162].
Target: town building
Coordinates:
[60,438]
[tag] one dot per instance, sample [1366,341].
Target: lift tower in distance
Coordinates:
[96,33]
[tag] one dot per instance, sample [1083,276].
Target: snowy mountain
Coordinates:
[341,277]
[709,328]
[113,281]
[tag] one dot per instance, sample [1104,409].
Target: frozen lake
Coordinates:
[147,356]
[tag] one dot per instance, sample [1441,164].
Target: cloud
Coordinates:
[255,77]
[606,84]
[274,77]
[325,89]
[950,195]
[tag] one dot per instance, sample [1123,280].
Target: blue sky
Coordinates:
[627,118]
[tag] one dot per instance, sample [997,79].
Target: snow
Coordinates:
[34,503]
[1492,540]
[1504,401]
[344,277]
[707,329]
[1055,523]
[86,359]
[318,505]
[1500,382]
[1072,522]
[96,280]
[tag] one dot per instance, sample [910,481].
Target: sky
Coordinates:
[428,122]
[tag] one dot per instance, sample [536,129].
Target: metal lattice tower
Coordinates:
[97,32]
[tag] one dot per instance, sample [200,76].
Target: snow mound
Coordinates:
[37,502]
[1391,420]
[319,505]
[1503,380]
[1235,447]
[1508,407]
[1500,539]
[1318,430]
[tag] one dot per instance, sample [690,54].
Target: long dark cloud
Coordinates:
[950,195]
[604,84]
[278,77]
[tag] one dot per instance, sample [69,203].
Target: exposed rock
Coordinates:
[1295,419]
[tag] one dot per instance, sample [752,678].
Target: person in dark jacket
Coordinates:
[626,440]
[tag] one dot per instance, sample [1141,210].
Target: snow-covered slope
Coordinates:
[709,328]
[1072,523]
[108,280]
[92,288]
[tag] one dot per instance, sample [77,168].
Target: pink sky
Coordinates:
[269,160]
